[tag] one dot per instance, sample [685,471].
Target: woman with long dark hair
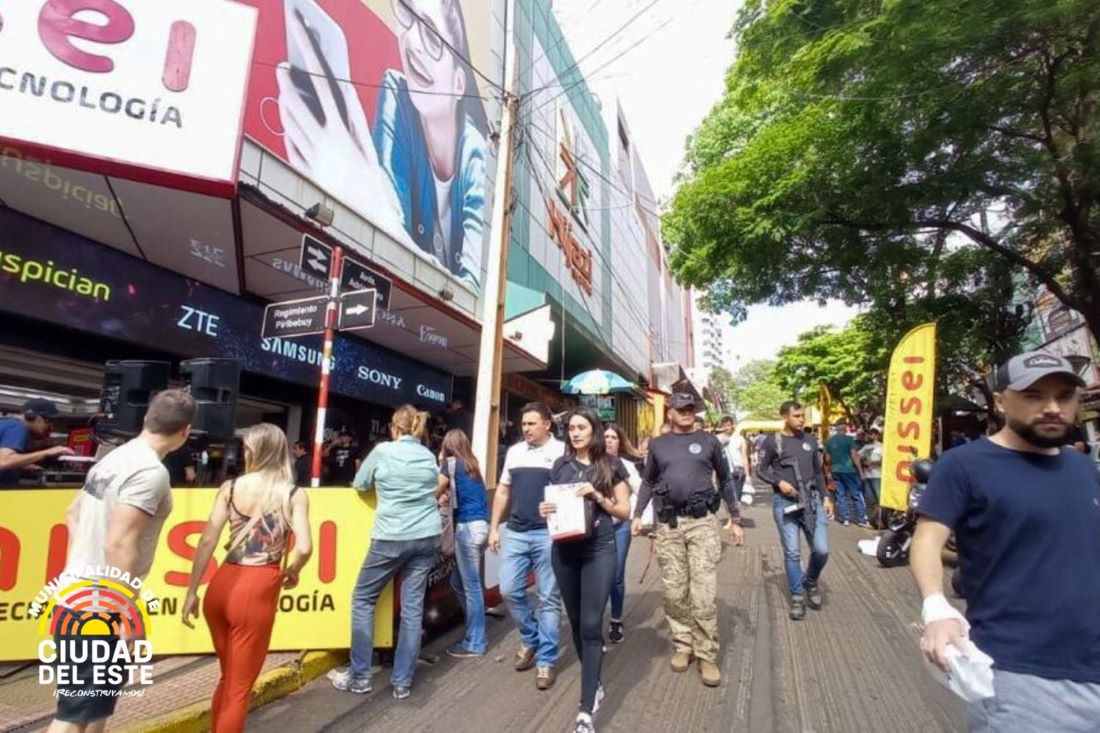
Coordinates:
[585,567]
[461,483]
[261,507]
[618,444]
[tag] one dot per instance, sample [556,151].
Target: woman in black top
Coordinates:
[585,567]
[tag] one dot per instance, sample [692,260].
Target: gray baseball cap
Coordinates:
[1024,370]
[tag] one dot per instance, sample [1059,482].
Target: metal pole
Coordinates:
[326,361]
[490,355]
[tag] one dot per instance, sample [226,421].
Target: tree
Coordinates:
[850,362]
[757,393]
[866,151]
[722,382]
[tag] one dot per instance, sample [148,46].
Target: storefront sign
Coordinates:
[315,615]
[152,91]
[907,428]
[577,258]
[53,275]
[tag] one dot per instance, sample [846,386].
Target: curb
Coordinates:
[271,685]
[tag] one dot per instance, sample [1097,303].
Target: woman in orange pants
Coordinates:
[261,508]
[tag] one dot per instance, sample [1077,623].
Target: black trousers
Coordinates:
[585,571]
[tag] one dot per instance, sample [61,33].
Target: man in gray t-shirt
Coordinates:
[115,522]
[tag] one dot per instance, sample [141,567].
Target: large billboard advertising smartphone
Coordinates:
[378,103]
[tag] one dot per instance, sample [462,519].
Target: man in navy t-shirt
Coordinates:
[1026,516]
[16,434]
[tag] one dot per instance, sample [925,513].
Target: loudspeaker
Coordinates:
[214,384]
[124,399]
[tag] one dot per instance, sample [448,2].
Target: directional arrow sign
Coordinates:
[357,276]
[315,257]
[357,309]
[295,317]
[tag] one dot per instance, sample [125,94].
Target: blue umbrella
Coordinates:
[597,382]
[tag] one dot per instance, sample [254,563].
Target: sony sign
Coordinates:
[152,91]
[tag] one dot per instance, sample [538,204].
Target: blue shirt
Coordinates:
[1028,532]
[470,502]
[13,436]
[840,449]
[404,474]
[527,471]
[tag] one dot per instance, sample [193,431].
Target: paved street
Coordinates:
[852,667]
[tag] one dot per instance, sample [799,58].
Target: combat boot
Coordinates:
[712,677]
[680,661]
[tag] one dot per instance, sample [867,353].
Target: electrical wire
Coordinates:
[455,51]
[367,85]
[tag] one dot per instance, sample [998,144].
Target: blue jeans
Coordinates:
[789,530]
[520,553]
[470,541]
[618,590]
[849,487]
[414,559]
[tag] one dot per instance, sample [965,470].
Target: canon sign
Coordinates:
[152,91]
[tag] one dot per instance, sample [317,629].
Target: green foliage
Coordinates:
[756,391]
[907,155]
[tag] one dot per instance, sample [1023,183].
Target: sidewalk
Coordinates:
[178,702]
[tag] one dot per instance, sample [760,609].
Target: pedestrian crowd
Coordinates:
[1022,505]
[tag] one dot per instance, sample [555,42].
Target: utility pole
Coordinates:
[490,355]
[331,313]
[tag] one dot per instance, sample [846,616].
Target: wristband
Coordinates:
[937,608]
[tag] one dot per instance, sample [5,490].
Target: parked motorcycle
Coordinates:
[893,544]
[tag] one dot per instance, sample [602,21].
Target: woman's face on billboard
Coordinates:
[432,70]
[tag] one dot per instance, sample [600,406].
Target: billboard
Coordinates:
[53,275]
[152,91]
[377,102]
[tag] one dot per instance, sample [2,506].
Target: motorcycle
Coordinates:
[893,545]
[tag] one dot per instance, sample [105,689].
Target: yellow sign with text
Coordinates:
[316,615]
[907,431]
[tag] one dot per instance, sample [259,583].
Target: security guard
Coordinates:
[679,475]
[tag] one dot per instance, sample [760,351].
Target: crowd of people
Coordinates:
[1022,506]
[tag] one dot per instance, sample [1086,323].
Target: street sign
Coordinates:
[357,309]
[315,257]
[357,276]
[295,317]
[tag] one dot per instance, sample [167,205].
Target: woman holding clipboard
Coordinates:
[584,557]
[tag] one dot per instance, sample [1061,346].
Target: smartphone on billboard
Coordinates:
[329,45]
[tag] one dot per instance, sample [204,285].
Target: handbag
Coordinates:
[446,512]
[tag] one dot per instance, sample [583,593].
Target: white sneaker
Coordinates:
[344,681]
[584,724]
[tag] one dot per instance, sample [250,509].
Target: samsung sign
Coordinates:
[144,89]
[54,275]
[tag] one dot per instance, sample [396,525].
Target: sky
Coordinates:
[666,85]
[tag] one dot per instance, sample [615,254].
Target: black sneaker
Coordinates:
[616,634]
[813,595]
[798,608]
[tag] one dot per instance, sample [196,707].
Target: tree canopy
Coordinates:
[756,392]
[908,155]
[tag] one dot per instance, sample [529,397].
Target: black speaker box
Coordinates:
[127,388]
[214,383]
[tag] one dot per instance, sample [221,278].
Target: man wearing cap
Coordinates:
[16,434]
[1026,515]
[679,473]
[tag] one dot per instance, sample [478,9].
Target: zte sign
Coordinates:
[151,90]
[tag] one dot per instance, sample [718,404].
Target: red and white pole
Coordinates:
[326,361]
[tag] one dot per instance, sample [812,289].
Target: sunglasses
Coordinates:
[429,34]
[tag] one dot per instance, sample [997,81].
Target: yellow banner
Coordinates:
[908,427]
[315,615]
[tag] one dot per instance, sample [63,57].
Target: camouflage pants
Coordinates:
[688,556]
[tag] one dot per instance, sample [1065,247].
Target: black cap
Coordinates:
[41,408]
[1024,370]
[682,401]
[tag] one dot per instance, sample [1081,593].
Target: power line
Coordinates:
[455,51]
[367,85]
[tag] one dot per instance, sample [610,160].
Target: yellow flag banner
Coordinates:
[908,428]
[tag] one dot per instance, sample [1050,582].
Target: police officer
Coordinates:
[792,465]
[679,473]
